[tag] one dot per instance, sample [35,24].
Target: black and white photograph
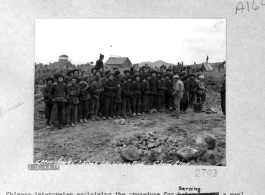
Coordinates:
[130,91]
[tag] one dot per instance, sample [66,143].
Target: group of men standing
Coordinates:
[80,96]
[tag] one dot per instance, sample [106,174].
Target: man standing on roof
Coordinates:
[207,59]
[99,63]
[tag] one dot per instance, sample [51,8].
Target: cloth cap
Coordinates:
[176,77]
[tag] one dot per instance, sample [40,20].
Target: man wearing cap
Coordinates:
[145,89]
[126,73]
[126,95]
[153,91]
[161,89]
[47,101]
[103,81]
[109,93]
[84,98]
[201,89]
[117,101]
[136,90]
[169,92]
[117,76]
[59,95]
[99,62]
[74,91]
[177,94]
[96,90]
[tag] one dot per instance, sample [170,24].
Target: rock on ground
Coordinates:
[210,140]
[212,157]
[187,153]
[130,154]
[159,154]
[199,144]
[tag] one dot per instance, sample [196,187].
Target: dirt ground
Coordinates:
[96,140]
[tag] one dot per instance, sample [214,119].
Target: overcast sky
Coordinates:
[141,40]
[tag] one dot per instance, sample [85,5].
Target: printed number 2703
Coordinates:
[206,172]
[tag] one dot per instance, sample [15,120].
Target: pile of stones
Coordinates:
[152,147]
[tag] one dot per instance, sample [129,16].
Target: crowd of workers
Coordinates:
[80,96]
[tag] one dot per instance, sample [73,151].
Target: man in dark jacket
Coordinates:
[161,89]
[136,90]
[58,93]
[126,73]
[99,62]
[126,95]
[76,75]
[84,98]
[145,89]
[193,89]
[117,101]
[153,91]
[103,81]
[117,76]
[96,91]
[109,93]
[168,93]
[47,101]
[71,109]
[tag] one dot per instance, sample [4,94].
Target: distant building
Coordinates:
[63,64]
[63,58]
[118,62]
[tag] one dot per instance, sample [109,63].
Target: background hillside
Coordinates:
[155,64]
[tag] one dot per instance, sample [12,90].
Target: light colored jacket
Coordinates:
[178,89]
